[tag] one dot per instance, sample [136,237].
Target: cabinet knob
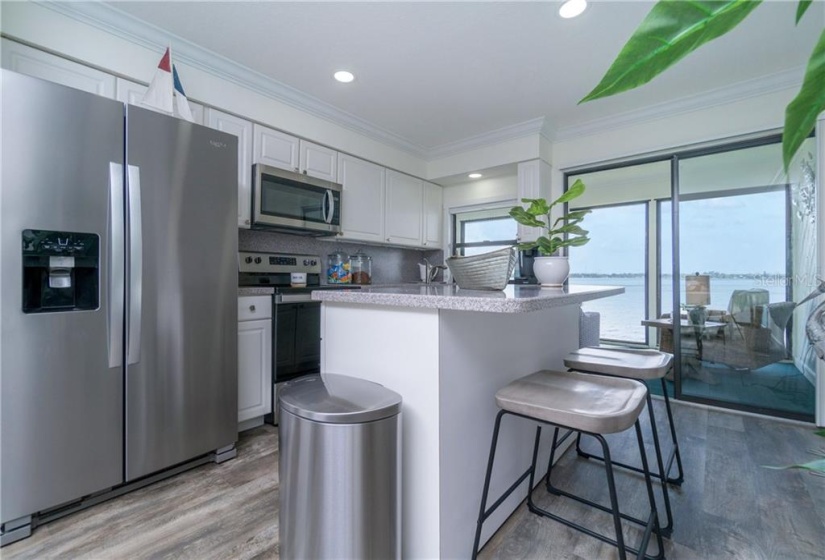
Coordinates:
[252,308]
[296,169]
[388,239]
[246,222]
[305,171]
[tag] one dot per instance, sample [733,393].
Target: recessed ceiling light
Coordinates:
[572,8]
[475,175]
[344,76]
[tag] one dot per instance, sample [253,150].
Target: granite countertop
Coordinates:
[513,299]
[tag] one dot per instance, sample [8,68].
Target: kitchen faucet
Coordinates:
[431,271]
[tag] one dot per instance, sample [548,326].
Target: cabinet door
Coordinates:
[433,197]
[254,369]
[33,62]
[318,161]
[403,209]
[275,148]
[243,130]
[362,202]
[133,92]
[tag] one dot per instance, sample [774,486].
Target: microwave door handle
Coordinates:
[135,267]
[329,201]
[116,265]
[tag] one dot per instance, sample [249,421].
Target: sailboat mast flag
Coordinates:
[159,94]
[181,103]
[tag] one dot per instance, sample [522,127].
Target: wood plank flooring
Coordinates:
[729,506]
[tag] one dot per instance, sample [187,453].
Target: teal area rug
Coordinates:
[778,386]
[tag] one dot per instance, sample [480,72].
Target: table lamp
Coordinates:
[697,296]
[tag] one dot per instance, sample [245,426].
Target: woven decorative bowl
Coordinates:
[490,271]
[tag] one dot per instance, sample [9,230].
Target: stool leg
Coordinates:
[548,484]
[614,500]
[486,489]
[667,529]
[653,523]
[681,478]
[579,451]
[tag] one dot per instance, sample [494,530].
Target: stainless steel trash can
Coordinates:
[340,463]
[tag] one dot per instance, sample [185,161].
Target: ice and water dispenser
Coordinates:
[61,271]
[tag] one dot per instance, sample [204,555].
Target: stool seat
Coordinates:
[586,402]
[632,363]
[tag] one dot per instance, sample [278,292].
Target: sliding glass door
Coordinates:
[736,282]
[714,247]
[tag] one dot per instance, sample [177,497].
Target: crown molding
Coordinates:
[129,28]
[721,96]
[537,126]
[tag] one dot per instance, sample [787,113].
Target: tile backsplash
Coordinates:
[390,265]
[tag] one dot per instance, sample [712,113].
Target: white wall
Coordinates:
[482,191]
[45,28]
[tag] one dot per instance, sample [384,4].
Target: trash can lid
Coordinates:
[338,399]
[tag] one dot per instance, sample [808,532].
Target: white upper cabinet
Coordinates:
[132,93]
[284,151]
[362,203]
[318,161]
[243,130]
[433,224]
[404,205]
[275,148]
[43,65]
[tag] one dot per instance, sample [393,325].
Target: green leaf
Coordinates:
[526,246]
[672,30]
[575,191]
[577,241]
[575,216]
[820,433]
[538,206]
[802,8]
[520,215]
[801,113]
[815,466]
[547,246]
[571,229]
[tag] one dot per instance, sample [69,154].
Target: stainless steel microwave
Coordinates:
[284,200]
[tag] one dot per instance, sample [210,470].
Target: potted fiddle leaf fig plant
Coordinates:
[550,268]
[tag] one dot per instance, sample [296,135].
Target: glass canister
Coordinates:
[361,268]
[338,268]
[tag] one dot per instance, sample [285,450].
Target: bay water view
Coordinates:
[621,316]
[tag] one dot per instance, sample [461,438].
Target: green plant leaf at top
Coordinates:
[672,30]
[574,191]
[820,433]
[816,466]
[802,8]
[801,113]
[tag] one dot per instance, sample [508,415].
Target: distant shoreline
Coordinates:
[744,275]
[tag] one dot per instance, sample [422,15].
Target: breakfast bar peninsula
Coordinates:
[447,351]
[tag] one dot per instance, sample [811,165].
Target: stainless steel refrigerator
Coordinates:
[118,244]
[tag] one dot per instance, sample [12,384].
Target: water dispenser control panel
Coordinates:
[61,271]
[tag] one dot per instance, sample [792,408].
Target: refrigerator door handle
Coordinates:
[116,265]
[135,267]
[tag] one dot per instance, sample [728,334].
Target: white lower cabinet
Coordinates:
[254,358]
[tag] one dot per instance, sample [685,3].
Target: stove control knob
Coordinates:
[306,262]
[257,260]
[248,260]
[313,262]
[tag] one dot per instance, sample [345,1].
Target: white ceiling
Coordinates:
[435,73]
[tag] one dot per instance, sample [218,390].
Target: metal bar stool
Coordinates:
[586,403]
[641,365]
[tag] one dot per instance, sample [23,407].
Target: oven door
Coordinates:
[297,339]
[283,199]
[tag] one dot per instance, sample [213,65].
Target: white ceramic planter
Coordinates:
[551,271]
